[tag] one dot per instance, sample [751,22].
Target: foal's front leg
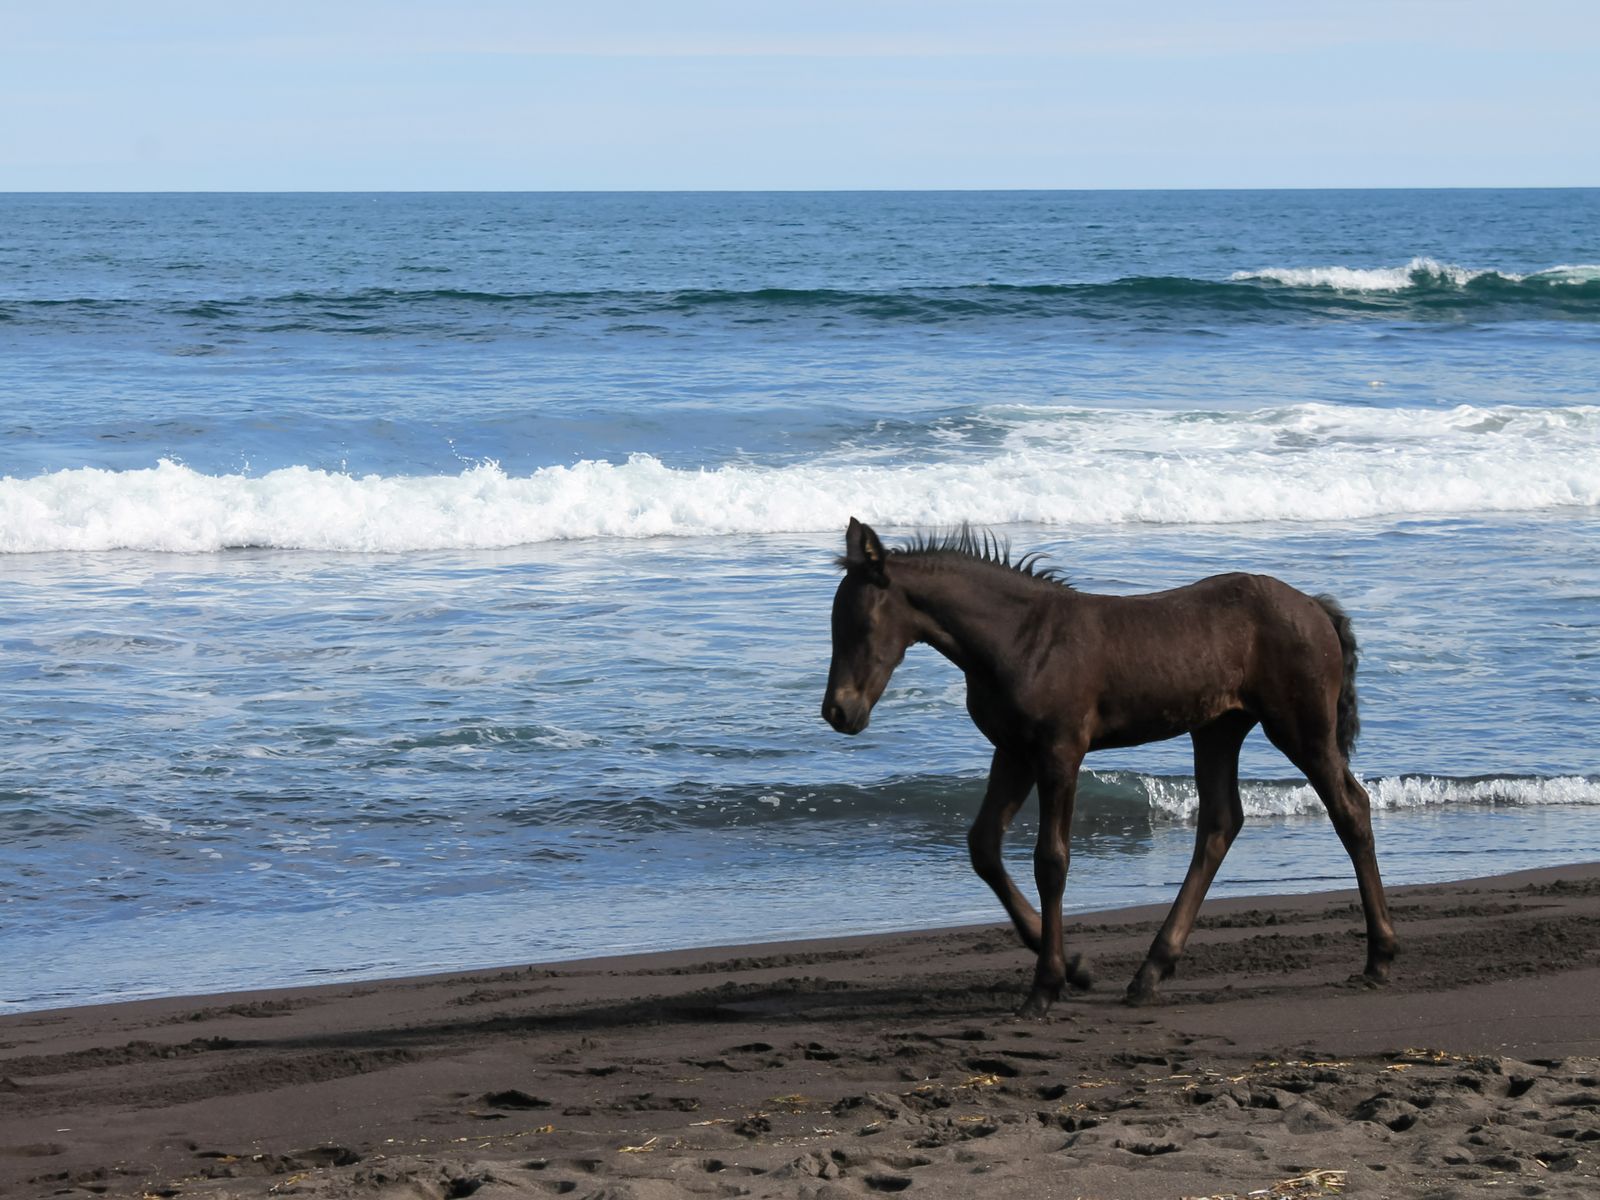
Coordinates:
[1010,781]
[1058,785]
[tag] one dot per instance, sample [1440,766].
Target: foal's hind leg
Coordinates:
[1218,821]
[1350,809]
[1353,820]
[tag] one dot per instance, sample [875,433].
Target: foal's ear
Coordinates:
[863,551]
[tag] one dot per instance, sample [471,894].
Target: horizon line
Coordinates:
[734,191]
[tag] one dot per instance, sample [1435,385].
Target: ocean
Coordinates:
[407,582]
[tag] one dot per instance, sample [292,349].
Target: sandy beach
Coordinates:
[866,1065]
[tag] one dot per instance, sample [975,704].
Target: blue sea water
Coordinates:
[392,583]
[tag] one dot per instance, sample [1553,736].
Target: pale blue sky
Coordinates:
[606,94]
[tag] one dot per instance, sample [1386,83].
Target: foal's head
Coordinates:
[873,624]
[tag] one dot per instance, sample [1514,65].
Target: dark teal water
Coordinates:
[392,583]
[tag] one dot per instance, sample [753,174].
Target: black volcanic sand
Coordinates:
[868,1065]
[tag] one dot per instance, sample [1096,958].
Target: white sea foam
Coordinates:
[1063,466]
[1577,273]
[1419,272]
[1176,797]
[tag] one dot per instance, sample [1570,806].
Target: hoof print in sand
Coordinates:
[1148,1149]
[994,1066]
[650,1102]
[324,1156]
[513,1098]
[715,1166]
[887,1183]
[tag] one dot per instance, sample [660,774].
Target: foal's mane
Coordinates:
[966,544]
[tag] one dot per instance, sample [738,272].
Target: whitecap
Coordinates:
[1051,466]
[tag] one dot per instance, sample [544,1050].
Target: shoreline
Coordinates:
[152,963]
[866,1063]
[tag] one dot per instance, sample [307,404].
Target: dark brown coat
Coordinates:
[1053,673]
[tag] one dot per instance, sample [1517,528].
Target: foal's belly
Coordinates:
[1138,735]
[1109,726]
[1133,726]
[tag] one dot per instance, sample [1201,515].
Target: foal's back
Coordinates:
[1152,666]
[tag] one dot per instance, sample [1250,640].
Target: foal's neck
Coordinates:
[969,612]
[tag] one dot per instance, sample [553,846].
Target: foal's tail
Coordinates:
[1348,722]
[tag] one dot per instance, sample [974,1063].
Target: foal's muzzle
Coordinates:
[847,712]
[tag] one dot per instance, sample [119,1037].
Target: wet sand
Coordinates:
[866,1065]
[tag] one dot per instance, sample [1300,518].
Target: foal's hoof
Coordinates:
[1370,981]
[1142,990]
[1037,1004]
[1078,977]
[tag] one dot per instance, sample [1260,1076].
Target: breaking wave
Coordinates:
[1108,801]
[1174,797]
[1426,274]
[1009,464]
